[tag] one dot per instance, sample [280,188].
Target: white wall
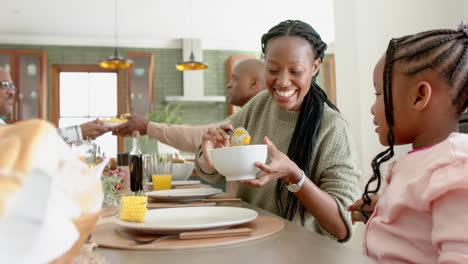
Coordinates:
[362,31]
[220,24]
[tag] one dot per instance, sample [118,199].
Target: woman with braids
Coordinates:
[421,86]
[317,179]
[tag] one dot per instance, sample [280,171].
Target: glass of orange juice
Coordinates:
[162,174]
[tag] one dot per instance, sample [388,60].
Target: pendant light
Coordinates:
[191,64]
[116,61]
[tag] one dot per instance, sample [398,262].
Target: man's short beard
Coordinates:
[6,110]
[228,98]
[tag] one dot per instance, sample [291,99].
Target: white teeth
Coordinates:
[286,93]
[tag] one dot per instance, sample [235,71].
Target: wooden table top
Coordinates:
[294,244]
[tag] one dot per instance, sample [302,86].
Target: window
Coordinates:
[82,94]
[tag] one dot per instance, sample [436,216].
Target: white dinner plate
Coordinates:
[183,194]
[176,220]
[181,183]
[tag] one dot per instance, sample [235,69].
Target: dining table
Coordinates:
[293,244]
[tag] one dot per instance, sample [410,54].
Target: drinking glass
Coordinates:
[86,151]
[162,173]
[149,168]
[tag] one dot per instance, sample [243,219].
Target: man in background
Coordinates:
[70,134]
[246,81]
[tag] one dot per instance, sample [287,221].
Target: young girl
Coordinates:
[421,86]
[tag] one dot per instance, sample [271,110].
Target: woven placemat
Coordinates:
[263,226]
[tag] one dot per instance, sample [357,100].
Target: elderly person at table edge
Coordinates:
[70,134]
[311,177]
[246,81]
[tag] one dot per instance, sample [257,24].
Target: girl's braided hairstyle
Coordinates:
[445,52]
[305,133]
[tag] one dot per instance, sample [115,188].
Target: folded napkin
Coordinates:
[43,187]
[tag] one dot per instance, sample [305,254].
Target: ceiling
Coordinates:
[220,24]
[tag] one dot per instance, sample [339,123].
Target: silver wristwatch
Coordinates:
[295,187]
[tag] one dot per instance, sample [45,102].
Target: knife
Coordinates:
[216,233]
[242,231]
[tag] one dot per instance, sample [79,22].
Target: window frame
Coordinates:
[55,93]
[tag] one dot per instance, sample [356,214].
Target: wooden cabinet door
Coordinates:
[28,69]
[328,74]
[231,62]
[32,100]
[140,83]
[6,62]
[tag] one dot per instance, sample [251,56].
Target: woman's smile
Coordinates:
[285,94]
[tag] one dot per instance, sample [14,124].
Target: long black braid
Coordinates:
[388,153]
[446,52]
[303,141]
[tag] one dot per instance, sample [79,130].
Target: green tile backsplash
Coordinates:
[167,80]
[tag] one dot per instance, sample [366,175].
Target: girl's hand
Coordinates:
[280,167]
[355,209]
[214,138]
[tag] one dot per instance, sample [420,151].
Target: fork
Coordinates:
[189,235]
[142,242]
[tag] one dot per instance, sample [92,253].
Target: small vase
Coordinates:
[110,210]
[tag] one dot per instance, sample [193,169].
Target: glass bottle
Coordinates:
[136,165]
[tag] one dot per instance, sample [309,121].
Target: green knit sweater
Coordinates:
[333,164]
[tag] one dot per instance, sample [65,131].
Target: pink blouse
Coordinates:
[422,215]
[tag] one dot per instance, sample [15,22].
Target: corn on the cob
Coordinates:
[133,208]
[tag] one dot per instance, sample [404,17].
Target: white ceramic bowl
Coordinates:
[181,171]
[238,163]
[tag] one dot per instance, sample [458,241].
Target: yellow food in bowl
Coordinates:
[113,120]
[238,163]
[240,137]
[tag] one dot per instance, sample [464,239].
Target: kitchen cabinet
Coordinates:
[231,62]
[28,69]
[140,98]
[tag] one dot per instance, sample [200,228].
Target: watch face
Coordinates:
[293,188]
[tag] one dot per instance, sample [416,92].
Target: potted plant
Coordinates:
[169,114]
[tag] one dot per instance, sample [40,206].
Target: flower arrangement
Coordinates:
[111,182]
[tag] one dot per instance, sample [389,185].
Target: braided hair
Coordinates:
[304,138]
[445,52]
